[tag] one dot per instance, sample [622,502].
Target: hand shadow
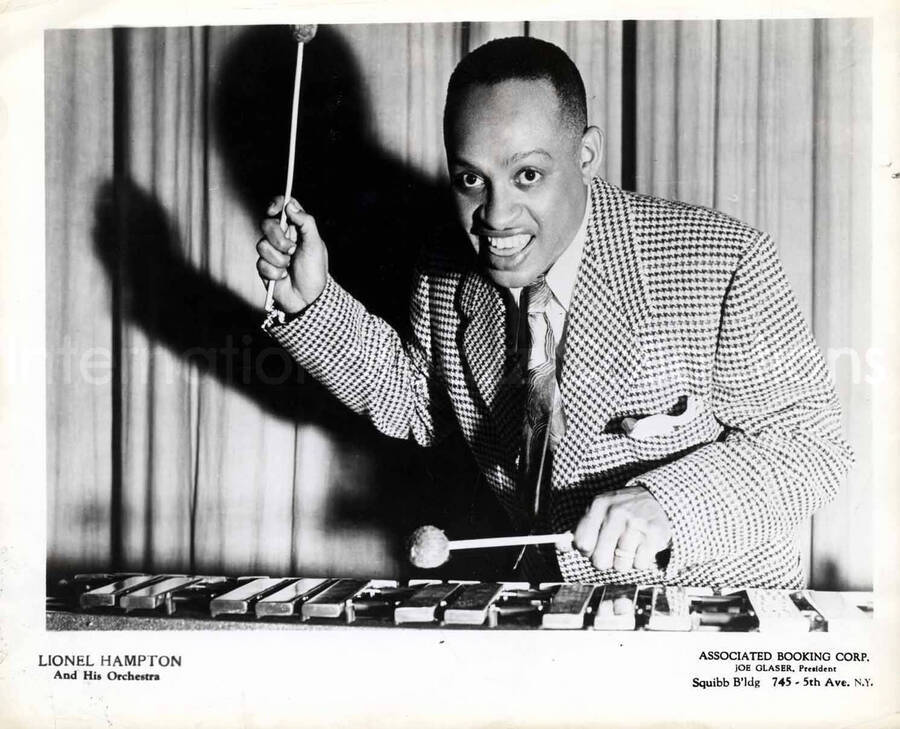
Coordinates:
[197,318]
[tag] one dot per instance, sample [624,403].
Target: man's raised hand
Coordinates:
[296,260]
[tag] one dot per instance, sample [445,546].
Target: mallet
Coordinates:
[302,34]
[429,546]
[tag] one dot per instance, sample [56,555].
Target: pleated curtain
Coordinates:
[179,439]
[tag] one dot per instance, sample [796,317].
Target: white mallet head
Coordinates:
[428,547]
[303,33]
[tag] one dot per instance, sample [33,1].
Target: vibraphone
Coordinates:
[102,601]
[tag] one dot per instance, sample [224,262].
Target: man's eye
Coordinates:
[528,176]
[468,180]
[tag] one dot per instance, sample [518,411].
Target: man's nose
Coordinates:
[499,210]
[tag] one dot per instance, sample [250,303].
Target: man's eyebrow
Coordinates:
[522,155]
[460,162]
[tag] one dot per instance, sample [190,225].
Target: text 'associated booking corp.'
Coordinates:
[735,669]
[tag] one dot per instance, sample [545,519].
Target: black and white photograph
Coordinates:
[518,346]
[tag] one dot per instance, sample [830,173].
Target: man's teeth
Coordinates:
[509,242]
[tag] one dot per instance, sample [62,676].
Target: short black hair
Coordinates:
[520,58]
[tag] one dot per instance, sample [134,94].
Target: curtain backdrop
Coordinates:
[179,438]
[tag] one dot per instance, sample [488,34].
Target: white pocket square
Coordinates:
[654,425]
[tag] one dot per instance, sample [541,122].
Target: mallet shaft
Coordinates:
[292,149]
[561,539]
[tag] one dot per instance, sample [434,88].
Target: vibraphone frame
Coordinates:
[109,601]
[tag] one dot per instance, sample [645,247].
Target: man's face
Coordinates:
[519,177]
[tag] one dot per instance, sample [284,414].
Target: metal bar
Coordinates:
[423,606]
[284,602]
[108,595]
[567,607]
[239,600]
[470,605]
[617,608]
[776,612]
[331,602]
[152,596]
[670,609]
[846,612]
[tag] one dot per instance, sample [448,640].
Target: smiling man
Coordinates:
[520,173]
[627,368]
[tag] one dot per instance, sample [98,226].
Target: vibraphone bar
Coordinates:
[452,604]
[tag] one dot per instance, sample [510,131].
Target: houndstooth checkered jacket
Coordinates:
[671,300]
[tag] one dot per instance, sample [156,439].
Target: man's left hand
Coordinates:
[623,530]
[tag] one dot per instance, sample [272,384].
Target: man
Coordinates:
[631,369]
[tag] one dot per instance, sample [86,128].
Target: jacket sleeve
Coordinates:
[782,456]
[362,360]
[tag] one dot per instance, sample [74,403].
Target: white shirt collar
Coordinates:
[563,273]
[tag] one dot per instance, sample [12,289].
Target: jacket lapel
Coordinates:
[490,359]
[610,305]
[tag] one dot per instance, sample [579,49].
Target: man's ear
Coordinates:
[591,153]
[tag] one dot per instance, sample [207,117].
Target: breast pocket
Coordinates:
[616,451]
[657,437]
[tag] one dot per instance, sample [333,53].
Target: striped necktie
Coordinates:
[544,424]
